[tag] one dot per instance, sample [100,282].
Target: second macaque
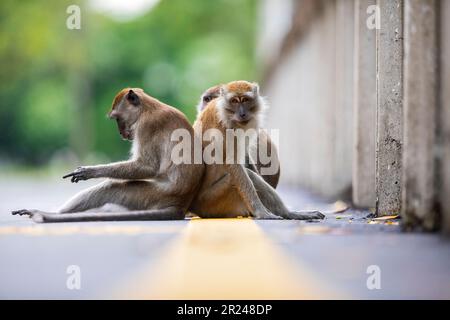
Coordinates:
[230,189]
[263,144]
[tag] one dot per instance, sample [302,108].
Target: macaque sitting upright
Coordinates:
[263,138]
[230,189]
[148,186]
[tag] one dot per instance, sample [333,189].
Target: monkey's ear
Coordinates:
[255,88]
[133,98]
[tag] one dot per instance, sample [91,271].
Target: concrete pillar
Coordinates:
[420,103]
[343,111]
[389,107]
[364,107]
[444,116]
[324,101]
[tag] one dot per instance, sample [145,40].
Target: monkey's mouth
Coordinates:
[124,130]
[126,134]
[242,122]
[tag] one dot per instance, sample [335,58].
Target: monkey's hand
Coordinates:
[81,173]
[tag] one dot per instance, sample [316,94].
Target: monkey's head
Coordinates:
[126,110]
[240,104]
[208,96]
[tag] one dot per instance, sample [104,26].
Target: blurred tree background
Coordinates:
[58,84]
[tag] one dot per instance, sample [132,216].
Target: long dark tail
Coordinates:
[158,214]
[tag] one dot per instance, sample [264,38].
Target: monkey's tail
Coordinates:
[158,214]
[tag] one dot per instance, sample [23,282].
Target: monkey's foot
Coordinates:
[35,215]
[20,212]
[306,215]
[266,215]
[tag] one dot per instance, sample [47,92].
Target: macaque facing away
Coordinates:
[262,139]
[148,186]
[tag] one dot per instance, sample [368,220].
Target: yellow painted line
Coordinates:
[224,259]
[58,230]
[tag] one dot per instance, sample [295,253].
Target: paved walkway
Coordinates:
[213,258]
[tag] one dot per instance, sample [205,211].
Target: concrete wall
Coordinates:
[419,119]
[389,124]
[366,108]
[365,104]
[311,97]
[443,118]
[275,20]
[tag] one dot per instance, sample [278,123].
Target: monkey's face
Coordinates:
[208,96]
[241,108]
[126,113]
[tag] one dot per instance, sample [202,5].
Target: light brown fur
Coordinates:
[148,186]
[262,139]
[230,190]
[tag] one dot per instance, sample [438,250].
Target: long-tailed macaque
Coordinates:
[262,138]
[230,189]
[148,186]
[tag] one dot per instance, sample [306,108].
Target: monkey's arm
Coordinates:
[130,169]
[247,191]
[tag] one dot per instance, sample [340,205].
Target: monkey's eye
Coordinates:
[234,100]
[206,98]
[245,99]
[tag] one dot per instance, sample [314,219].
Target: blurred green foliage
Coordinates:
[57,84]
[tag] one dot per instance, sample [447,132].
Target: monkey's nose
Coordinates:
[243,115]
